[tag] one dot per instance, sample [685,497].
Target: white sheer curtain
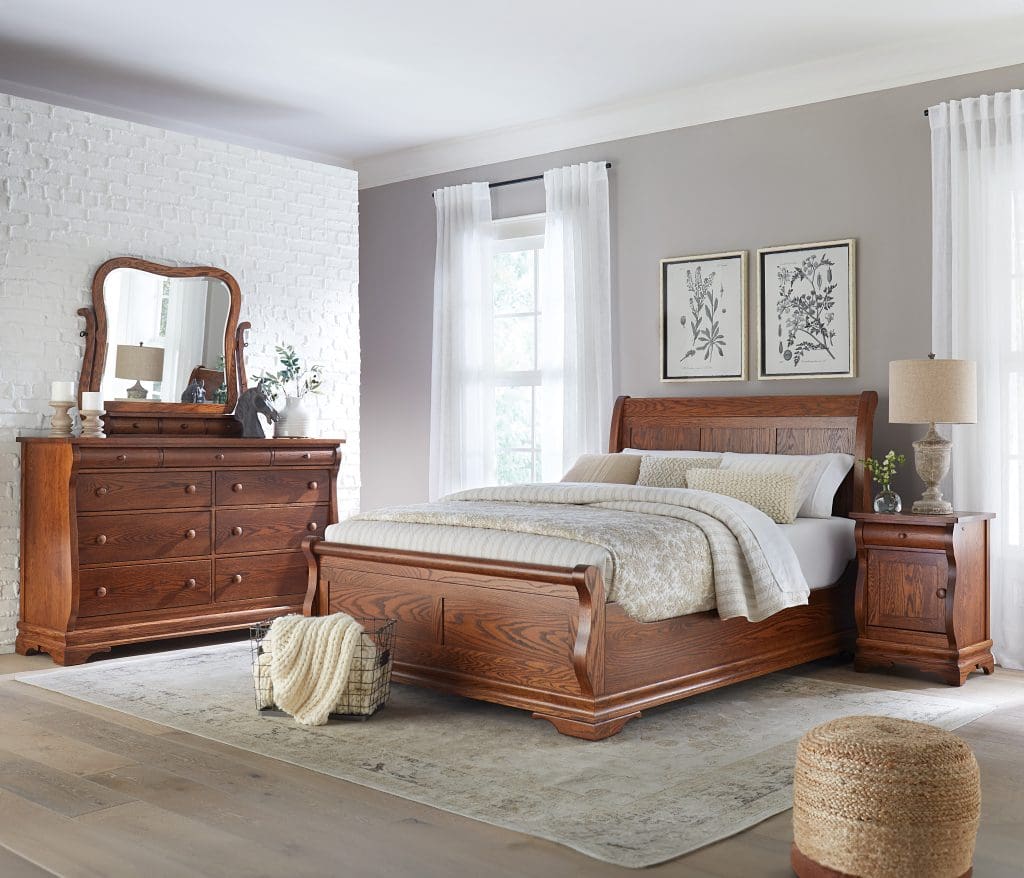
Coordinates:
[978,314]
[462,381]
[575,317]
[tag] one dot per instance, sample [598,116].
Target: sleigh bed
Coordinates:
[545,639]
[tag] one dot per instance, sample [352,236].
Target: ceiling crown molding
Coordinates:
[967,51]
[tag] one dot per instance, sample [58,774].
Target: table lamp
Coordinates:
[140,363]
[933,392]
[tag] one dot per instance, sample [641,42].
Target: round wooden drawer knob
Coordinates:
[236,487]
[136,425]
[190,534]
[236,531]
[306,455]
[101,492]
[190,583]
[311,527]
[940,593]
[218,456]
[101,592]
[237,578]
[313,486]
[901,535]
[190,489]
[101,539]
[183,426]
[122,458]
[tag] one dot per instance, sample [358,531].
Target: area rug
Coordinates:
[681,777]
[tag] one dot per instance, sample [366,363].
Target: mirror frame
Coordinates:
[95,334]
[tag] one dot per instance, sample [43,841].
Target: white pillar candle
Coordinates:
[62,391]
[92,402]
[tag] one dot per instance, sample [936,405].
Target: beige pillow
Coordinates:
[776,494]
[671,472]
[619,469]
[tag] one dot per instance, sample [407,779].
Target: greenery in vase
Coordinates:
[883,471]
[291,379]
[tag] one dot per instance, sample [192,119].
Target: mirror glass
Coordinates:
[165,336]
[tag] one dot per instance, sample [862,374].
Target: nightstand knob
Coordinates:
[311,527]
[902,535]
[101,492]
[101,539]
[236,487]
[940,593]
[313,486]
[101,592]
[190,583]
[219,455]
[306,455]
[236,531]
[190,534]
[236,578]
[122,458]
[190,489]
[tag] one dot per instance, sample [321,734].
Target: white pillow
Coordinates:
[672,453]
[820,475]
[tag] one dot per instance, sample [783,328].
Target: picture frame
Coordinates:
[807,310]
[704,317]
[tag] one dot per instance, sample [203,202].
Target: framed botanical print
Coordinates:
[807,310]
[704,317]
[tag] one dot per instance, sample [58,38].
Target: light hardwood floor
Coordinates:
[86,791]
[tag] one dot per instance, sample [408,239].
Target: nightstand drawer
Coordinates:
[914,536]
[908,590]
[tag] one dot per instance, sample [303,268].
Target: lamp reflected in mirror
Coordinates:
[141,363]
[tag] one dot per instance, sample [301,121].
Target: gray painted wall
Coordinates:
[856,167]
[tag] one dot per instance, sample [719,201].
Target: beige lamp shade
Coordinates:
[139,363]
[933,392]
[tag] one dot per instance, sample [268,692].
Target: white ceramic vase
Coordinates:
[295,420]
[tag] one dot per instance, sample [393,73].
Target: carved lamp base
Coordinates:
[931,460]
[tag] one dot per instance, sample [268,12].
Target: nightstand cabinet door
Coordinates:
[908,590]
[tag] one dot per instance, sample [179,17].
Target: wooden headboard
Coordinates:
[756,424]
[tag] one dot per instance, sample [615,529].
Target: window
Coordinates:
[515,287]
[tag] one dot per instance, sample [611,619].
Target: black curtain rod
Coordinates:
[520,180]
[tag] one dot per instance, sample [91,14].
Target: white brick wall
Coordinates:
[76,189]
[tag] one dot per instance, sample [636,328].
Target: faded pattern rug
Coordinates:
[681,777]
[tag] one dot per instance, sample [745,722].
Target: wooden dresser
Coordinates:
[138,538]
[923,593]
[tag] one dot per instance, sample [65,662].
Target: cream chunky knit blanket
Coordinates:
[310,663]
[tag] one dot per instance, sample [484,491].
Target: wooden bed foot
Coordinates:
[596,731]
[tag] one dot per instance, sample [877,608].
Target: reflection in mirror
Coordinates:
[184,317]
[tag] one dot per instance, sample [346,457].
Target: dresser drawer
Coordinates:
[260,576]
[99,492]
[136,587]
[142,537]
[257,530]
[252,488]
[304,456]
[217,457]
[907,536]
[126,458]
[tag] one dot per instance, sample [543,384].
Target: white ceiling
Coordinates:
[398,88]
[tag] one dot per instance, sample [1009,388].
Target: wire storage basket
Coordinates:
[369,680]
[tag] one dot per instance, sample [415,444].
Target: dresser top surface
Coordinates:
[157,440]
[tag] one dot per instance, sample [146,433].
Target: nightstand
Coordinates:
[923,593]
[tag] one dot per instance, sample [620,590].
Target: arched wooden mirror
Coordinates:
[161,347]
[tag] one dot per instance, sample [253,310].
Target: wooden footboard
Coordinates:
[543,638]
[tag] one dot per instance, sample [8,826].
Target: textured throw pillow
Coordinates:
[620,469]
[671,472]
[819,475]
[774,493]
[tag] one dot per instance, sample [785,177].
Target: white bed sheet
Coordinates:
[823,546]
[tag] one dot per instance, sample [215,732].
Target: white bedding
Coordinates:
[657,546]
[823,546]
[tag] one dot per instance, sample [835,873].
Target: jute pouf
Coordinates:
[875,797]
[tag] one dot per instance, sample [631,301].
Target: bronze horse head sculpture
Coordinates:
[251,404]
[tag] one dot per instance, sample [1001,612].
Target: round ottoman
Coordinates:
[884,798]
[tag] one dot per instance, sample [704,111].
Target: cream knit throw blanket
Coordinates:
[310,663]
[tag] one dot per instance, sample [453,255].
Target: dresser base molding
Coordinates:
[952,666]
[76,647]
